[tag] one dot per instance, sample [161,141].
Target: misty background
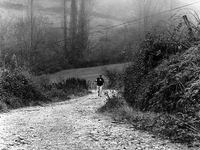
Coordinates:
[48,39]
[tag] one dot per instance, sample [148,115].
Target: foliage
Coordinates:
[20,86]
[132,79]
[178,127]
[57,95]
[50,65]
[164,78]
[117,46]
[66,87]
[47,54]
[115,78]
[3,97]
[3,107]
[113,102]
[19,89]
[71,83]
[177,82]
[170,87]
[42,82]
[144,78]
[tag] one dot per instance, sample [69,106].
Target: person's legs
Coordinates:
[98,90]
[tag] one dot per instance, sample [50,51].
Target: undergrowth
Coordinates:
[162,86]
[164,76]
[65,88]
[115,79]
[19,88]
[175,127]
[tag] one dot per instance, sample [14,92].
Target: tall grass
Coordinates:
[176,127]
[115,78]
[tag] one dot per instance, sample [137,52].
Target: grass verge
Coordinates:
[174,127]
[21,89]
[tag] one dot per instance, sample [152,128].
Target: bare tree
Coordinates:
[31,24]
[73,23]
[82,28]
[85,11]
[30,16]
[145,9]
[65,26]
[21,39]
[4,31]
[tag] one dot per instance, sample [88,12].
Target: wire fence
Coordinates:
[125,24]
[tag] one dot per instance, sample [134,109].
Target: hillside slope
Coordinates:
[53,10]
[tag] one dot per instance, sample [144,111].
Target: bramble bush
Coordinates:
[20,86]
[67,87]
[70,83]
[164,78]
[156,68]
[176,81]
[113,102]
[177,127]
[115,78]
[17,88]
[172,86]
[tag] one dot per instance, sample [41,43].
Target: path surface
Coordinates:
[72,125]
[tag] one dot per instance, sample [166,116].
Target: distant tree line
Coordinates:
[45,48]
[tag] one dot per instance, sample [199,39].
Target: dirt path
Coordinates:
[72,125]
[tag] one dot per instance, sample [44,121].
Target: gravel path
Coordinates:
[73,125]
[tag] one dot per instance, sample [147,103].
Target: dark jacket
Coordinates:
[100,81]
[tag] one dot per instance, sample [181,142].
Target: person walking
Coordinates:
[100,82]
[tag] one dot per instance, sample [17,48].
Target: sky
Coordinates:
[117,8]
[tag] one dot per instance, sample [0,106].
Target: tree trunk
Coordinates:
[65,27]
[73,32]
[83,27]
[31,33]
[73,23]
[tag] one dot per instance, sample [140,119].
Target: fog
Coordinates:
[106,26]
[120,10]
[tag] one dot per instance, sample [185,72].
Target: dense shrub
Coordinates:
[172,86]
[113,102]
[66,87]
[71,83]
[177,83]
[178,127]
[3,107]
[42,82]
[55,64]
[115,78]
[21,87]
[3,97]
[18,88]
[162,85]
[58,95]
[156,67]
[132,79]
